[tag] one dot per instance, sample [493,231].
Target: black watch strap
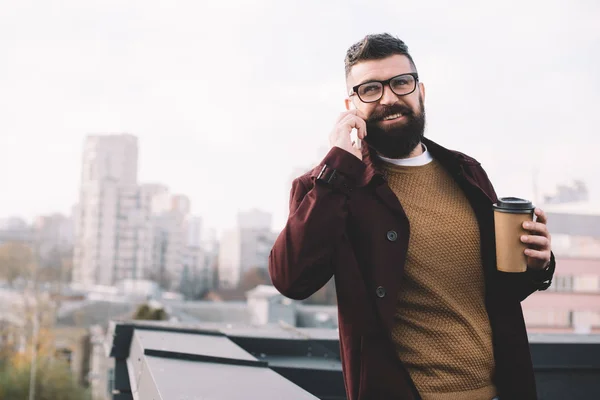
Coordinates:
[542,285]
[543,279]
[334,179]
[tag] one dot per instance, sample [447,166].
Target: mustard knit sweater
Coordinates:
[442,332]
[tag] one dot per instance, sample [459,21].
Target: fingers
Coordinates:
[542,255]
[352,121]
[358,113]
[536,228]
[538,242]
[355,112]
[541,216]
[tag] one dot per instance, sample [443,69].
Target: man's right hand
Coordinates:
[340,135]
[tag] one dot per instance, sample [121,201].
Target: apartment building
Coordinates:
[572,302]
[245,246]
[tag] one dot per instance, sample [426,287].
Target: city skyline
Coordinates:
[276,88]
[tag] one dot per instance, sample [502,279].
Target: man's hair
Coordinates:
[375,47]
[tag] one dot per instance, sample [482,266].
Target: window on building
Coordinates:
[548,318]
[562,283]
[586,283]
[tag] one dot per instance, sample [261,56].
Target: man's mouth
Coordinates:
[392,117]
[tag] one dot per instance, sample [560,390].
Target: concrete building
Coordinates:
[15,229]
[130,231]
[267,306]
[198,275]
[572,302]
[54,233]
[169,213]
[244,247]
[106,204]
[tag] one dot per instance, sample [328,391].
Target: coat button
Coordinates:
[392,236]
[380,291]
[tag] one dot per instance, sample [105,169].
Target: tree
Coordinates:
[146,312]
[16,261]
[53,381]
[56,266]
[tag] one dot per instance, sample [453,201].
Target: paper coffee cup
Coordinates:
[509,215]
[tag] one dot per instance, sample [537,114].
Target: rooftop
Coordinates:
[156,360]
[573,208]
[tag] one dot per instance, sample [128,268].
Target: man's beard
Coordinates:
[396,141]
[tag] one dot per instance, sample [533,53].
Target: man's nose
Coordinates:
[388,97]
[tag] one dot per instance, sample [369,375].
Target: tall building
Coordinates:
[15,229]
[54,234]
[198,275]
[169,213]
[245,247]
[572,302]
[130,231]
[107,203]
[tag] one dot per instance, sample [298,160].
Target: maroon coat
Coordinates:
[355,229]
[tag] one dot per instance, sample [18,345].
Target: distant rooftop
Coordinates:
[576,219]
[575,208]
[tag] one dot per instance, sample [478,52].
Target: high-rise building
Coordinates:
[107,203]
[169,213]
[54,234]
[15,229]
[245,247]
[130,231]
[572,302]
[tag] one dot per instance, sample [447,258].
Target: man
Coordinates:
[406,228]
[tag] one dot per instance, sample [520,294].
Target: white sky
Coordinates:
[230,98]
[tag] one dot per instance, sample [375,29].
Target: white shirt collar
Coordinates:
[417,161]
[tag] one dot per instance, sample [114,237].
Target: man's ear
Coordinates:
[349,104]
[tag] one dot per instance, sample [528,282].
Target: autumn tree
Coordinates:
[56,266]
[54,379]
[17,260]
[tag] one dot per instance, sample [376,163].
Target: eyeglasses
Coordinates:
[401,85]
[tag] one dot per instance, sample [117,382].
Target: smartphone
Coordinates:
[354,138]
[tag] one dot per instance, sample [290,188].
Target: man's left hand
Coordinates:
[537,241]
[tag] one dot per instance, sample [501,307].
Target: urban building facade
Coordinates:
[54,233]
[130,231]
[572,302]
[108,178]
[15,229]
[244,247]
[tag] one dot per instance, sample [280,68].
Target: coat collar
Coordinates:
[453,161]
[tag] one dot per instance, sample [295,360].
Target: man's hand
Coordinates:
[538,241]
[340,135]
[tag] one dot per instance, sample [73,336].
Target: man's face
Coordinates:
[396,137]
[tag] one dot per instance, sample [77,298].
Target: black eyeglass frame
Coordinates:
[385,83]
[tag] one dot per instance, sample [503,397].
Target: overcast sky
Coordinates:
[230,97]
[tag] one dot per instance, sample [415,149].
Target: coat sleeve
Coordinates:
[301,261]
[532,280]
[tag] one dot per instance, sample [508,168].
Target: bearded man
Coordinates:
[406,227]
